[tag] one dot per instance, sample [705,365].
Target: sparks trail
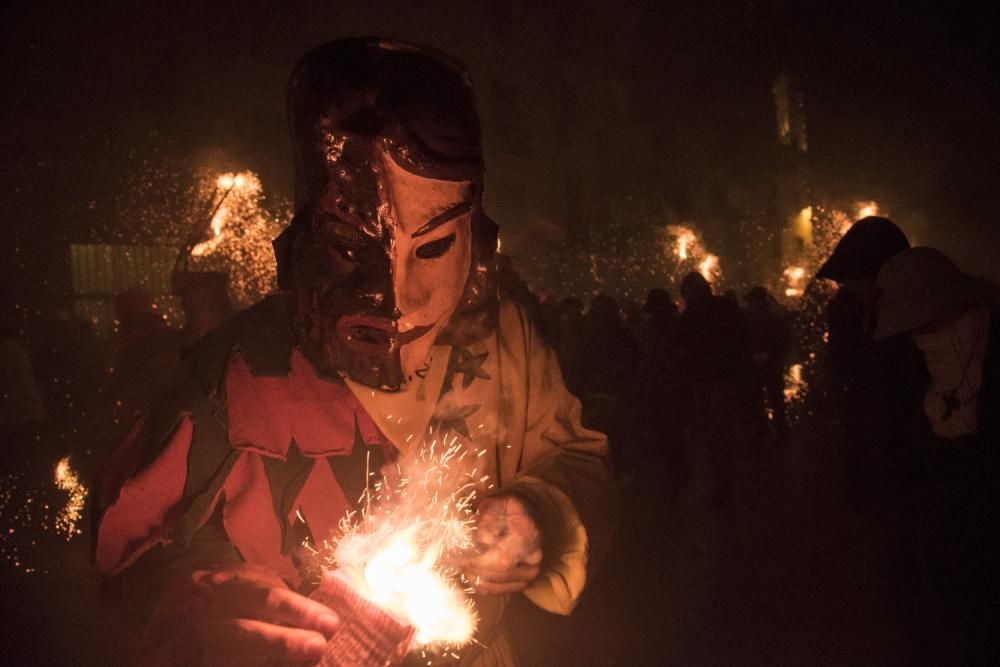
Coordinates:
[402,550]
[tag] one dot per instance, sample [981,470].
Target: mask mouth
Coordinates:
[370,335]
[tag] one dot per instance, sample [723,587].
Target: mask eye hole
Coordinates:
[435,249]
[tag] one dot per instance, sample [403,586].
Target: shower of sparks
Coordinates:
[400,552]
[240,235]
[69,516]
[164,202]
[36,515]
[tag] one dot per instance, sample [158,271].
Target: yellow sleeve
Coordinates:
[564,474]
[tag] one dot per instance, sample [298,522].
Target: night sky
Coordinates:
[901,102]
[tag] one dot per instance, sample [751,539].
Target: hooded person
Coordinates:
[876,404]
[954,319]
[950,316]
[388,325]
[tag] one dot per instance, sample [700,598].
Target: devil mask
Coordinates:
[389,251]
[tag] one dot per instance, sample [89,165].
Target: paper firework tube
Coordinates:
[368,635]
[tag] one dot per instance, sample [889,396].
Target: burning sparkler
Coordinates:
[415,524]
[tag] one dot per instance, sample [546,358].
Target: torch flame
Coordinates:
[709,268]
[218,222]
[685,241]
[866,209]
[795,279]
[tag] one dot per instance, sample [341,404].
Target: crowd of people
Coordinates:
[669,379]
[913,352]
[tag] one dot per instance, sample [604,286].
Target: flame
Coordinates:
[865,209]
[804,225]
[231,181]
[709,268]
[398,554]
[67,480]
[217,224]
[795,280]
[685,243]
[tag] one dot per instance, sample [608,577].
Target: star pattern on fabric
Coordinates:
[454,420]
[469,365]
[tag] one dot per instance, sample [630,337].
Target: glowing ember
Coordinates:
[399,554]
[795,386]
[67,480]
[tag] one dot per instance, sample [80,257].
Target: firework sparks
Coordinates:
[241,229]
[68,517]
[416,522]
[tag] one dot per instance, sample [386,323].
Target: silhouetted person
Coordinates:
[206,303]
[879,378]
[712,337]
[770,339]
[883,428]
[657,402]
[146,355]
[954,320]
[608,359]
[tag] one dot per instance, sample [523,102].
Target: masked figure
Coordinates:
[388,323]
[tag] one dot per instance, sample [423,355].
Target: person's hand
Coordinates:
[252,613]
[509,545]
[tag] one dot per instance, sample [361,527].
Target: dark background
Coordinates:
[613,115]
[594,111]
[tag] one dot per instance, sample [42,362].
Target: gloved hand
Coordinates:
[509,544]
